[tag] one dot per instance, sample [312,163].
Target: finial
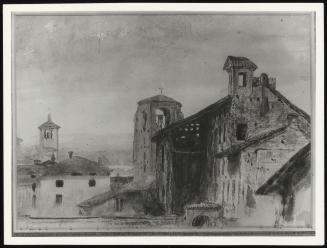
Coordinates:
[49,117]
[161,89]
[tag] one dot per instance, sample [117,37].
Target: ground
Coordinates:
[161,224]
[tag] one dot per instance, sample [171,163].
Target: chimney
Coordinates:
[70,154]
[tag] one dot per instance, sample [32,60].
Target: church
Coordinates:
[223,154]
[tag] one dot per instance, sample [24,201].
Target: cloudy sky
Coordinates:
[90,71]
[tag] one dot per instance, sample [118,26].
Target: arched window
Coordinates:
[162,117]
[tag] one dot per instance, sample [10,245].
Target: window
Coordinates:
[241,130]
[119,204]
[92,183]
[242,79]
[163,193]
[59,183]
[58,200]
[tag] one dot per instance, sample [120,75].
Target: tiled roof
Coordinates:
[213,107]
[159,98]
[76,164]
[295,169]
[204,205]
[128,188]
[239,62]
[251,141]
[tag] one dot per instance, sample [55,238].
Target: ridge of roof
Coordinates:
[291,105]
[205,111]
[251,141]
[295,163]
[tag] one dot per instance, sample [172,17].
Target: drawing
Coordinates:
[162,123]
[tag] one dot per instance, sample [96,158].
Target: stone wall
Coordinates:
[144,151]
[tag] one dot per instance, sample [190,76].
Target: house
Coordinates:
[290,187]
[66,183]
[226,151]
[127,199]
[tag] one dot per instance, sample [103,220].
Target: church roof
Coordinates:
[239,62]
[159,98]
[294,171]
[76,166]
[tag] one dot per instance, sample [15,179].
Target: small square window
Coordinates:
[59,183]
[242,79]
[92,183]
[241,130]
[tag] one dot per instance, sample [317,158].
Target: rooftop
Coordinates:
[203,112]
[239,62]
[78,166]
[49,124]
[204,205]
[293,171]
[251,141]
[128,188]
[159,98]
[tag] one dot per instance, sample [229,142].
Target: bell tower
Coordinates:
[240,71]
[49,140]
[152,114]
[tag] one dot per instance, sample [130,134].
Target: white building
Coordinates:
[67,183]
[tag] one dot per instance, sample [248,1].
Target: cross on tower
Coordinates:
[161,89]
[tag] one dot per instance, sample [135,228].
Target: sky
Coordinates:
[89,72]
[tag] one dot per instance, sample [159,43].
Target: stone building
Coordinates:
[152,114]
[225,152]
[49,140]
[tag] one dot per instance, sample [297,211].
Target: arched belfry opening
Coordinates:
[162,117]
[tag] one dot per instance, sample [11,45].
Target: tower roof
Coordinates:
[239,62]
[49,124]
[159,98]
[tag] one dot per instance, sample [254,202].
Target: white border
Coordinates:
[169,7]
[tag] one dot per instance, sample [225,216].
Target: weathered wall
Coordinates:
[144,151]
[132,206]
[75,190]
[24,199]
